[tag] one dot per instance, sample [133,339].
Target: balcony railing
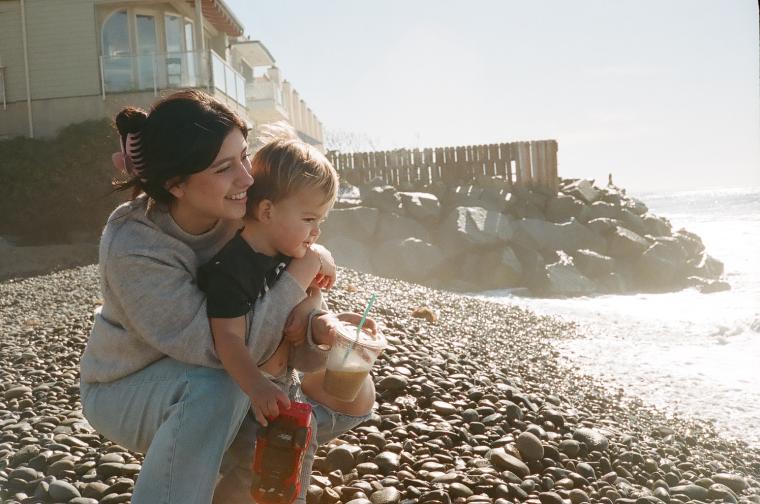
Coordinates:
[153,72]
[264,88]
[227,80]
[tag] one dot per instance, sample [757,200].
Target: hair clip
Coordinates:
[129,160]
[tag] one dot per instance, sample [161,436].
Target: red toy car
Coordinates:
[280,449]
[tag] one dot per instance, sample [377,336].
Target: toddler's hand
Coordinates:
[327,274]
[266,399]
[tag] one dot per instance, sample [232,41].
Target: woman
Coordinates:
[150,378]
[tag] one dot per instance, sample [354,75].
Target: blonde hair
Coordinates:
[285,165]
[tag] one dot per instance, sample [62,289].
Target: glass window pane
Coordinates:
[191,79]
[146,49]
[217,67]
[117,61]
[240,81]
[230,90]
[173,34]
[174,50]
[189,45]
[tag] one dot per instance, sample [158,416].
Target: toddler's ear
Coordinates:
[263,211]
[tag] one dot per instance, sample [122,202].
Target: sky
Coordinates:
[663,94]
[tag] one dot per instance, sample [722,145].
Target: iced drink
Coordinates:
[350,361]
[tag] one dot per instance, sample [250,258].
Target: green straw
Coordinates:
[359,327]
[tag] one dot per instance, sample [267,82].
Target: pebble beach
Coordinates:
[474,405]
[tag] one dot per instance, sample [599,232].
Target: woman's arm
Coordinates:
[162,304]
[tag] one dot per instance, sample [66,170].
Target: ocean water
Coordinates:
[684,352]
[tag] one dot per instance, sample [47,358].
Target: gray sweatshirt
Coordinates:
[153,308]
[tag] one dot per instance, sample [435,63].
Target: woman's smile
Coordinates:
[238,197]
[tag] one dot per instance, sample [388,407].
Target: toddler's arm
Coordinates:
[229,339]
[304,269]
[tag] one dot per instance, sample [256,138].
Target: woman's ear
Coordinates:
[175,187]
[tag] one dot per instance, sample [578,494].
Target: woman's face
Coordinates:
[219,191]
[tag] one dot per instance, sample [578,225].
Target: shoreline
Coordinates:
[465,406]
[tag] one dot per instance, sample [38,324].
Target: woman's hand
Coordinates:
[324,328]
[354,318]
[295,326]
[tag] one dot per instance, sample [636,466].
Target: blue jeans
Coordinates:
[236,466]
[184,418]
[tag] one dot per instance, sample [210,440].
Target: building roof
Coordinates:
[254,52]
[219,15]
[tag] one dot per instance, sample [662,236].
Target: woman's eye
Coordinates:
[222,169]
[247,156]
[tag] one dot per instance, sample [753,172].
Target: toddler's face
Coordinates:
[294,226]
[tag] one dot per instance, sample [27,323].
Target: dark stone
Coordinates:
[502,461]
[529,446]
[550,498]
[594,440]
[389,495]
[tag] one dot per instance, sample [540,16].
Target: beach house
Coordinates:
[63,62]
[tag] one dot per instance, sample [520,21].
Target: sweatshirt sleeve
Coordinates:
[165,307]
[310,356]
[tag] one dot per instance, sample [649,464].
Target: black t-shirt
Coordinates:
[236,277]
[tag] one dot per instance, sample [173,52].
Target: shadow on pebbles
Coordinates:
[475,406]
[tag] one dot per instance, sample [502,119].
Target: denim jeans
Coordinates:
[184,418]
[326,424]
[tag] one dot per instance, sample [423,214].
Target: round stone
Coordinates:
[388,495]
[550,498]
[732,481]
[16,392]
[578,496]
[529,446]
[387,461]
[443,408]
[62,491]
[393,383]
[506,462]
[570,447]
[460,490]
[593,439]
[341,457]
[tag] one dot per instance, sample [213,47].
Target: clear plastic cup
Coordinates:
[350,361]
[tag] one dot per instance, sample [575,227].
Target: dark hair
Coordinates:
[181,135]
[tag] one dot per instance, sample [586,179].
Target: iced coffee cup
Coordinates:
[350,361]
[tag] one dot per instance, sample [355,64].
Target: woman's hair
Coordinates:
[180,136]
[285,165]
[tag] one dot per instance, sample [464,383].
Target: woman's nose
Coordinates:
[244,176]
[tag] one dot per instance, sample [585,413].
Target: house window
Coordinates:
[180,58]
[189,44]
[174,50]
[117,61]
[147,47]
